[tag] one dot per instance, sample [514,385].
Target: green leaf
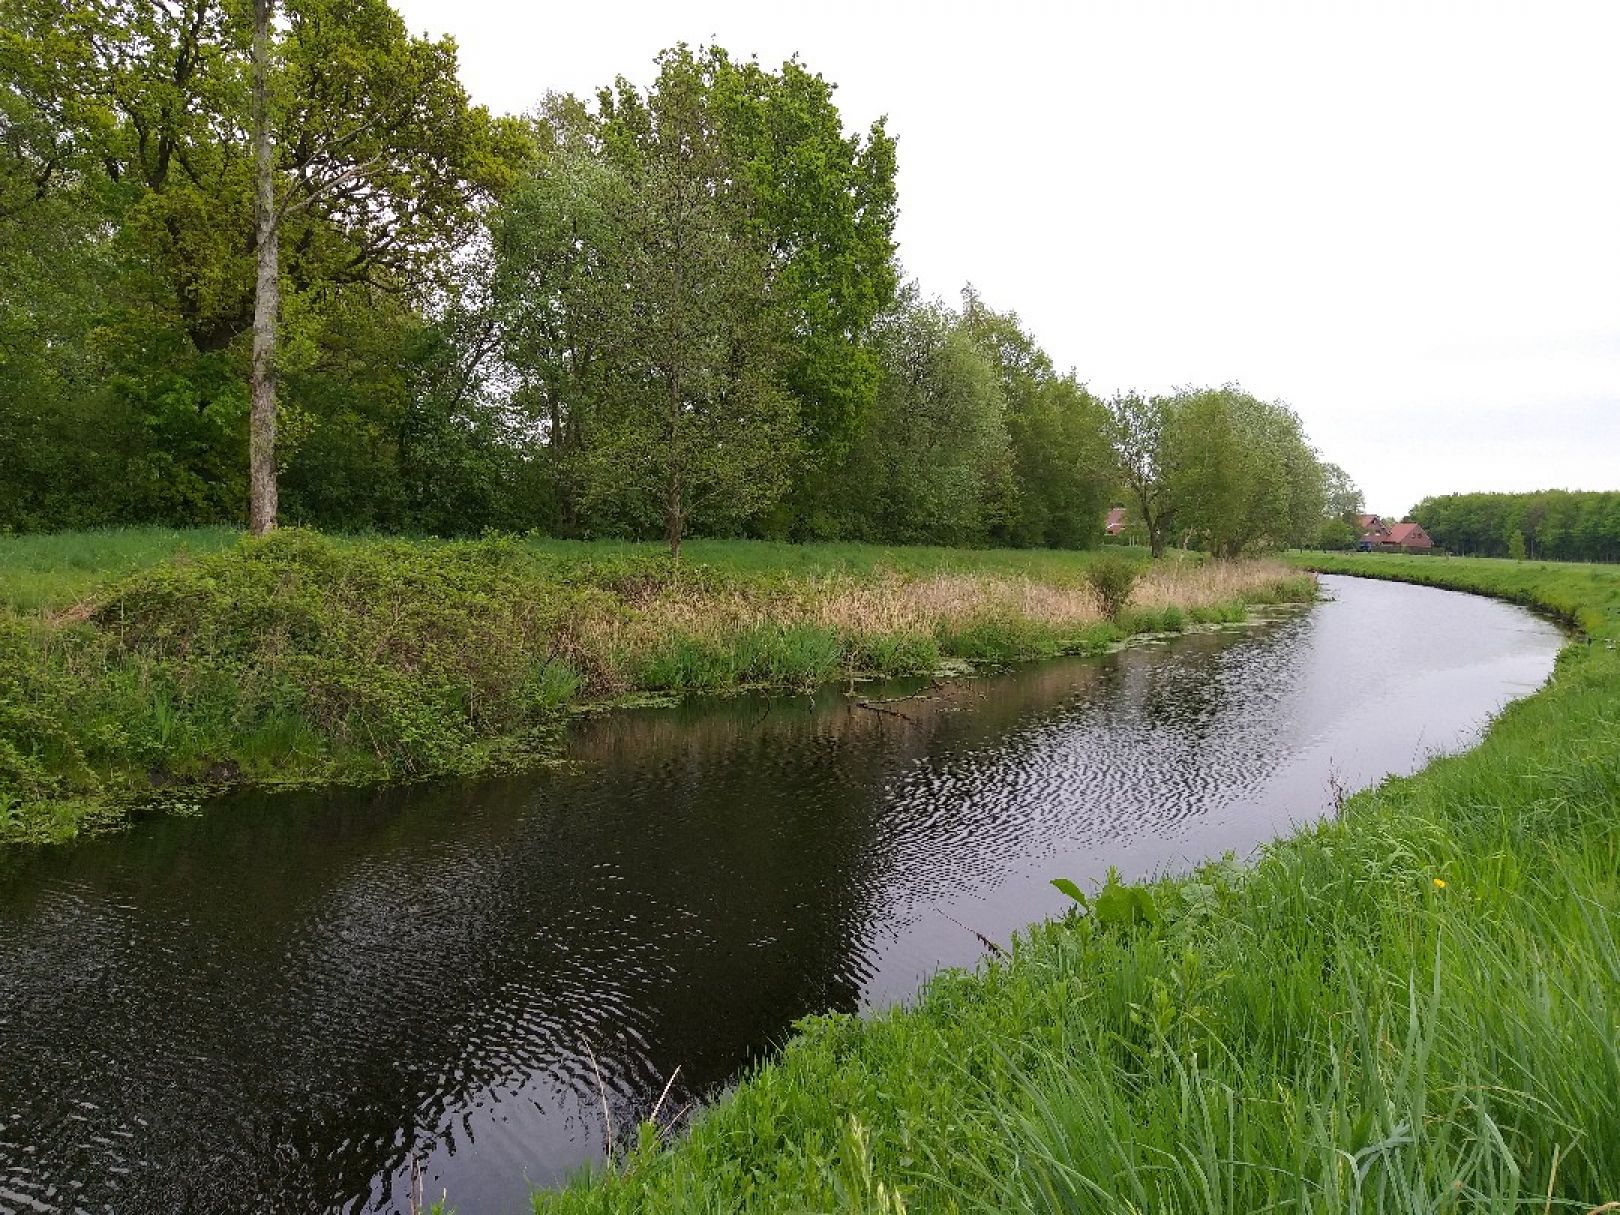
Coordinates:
[1125,906]
[1073,891]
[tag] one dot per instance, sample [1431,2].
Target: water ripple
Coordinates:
[281,1003]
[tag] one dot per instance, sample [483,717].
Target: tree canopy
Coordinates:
[1557,524]
[673,306]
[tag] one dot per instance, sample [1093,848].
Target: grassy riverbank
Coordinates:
[144,663]
[1413,1008]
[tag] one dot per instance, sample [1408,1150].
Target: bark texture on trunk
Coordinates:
[267,290]
[673,490]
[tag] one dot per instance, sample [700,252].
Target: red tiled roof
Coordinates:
[1115,520]
[1402,532]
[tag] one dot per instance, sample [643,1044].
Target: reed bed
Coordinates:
[1193,586]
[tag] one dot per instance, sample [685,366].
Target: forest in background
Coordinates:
[669,309]
[1554,524]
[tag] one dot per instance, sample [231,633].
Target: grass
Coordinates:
[183,662]
[55,570]
[1413,1007]
[1587,596]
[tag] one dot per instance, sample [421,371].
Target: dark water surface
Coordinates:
[271,1006]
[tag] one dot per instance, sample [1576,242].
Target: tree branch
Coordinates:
[291,205]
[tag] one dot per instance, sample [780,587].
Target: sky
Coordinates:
[1403,219]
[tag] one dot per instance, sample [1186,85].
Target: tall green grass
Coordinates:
[54,570]
[1414,1007]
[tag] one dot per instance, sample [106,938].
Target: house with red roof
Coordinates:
[1371,531]
[1115,523]
[1410,538]
[1376,535]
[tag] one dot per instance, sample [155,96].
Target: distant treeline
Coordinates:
[1556,524]
[664,310]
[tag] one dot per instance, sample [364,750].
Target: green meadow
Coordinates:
[1413,1007]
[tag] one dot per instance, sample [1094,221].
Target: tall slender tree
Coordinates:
[262,494]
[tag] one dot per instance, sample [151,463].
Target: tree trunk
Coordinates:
[672,494]
[267,290]
[1153,523]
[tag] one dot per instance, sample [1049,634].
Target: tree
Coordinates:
[821,204]
[1556,524]
[267,287]
[931,466]
[560,308]
[1140,433]
[781,227]
[379,169]
[1342,498]
[701,411]
[1336,535]
[1061,462]
[1245,477]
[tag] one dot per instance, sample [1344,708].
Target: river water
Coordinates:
[275,1005]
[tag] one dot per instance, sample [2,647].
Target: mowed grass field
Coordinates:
[1412,1008]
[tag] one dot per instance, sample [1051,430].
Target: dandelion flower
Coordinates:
[1439,883]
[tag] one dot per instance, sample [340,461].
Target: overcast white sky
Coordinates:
[1402,219]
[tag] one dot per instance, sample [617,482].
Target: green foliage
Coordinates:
[1124,907]
[126,255]
[1336,535]
[1118,905]
[1226,471]
[1557,525]
[687,281]
[669,310]
[825,203]
[1411,1007]
[1060,463]
[1245,478]
[931,460]
[133,662]
[1113,578]
[1068,887]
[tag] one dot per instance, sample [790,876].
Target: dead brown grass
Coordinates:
[612,635]
[1192,586]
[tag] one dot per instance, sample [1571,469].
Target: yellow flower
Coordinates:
[1439,883]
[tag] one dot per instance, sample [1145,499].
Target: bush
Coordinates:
[1113,579]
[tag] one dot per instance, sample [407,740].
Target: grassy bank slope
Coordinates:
[145,661]
[1587,596]
[1413,1008]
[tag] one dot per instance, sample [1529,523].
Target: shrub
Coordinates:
[1113,578]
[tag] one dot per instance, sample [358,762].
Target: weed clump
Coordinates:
[1113,578]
